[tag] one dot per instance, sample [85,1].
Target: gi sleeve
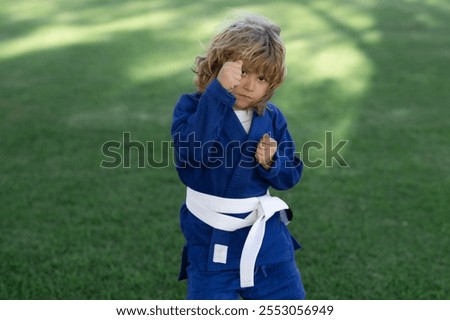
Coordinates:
[198,120]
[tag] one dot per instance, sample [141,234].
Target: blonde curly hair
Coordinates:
[257,42]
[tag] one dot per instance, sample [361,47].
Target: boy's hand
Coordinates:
[230,74]
[265,151]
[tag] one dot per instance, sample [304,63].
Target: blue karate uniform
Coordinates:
[215,155]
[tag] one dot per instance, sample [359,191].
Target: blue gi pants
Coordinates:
[281,281]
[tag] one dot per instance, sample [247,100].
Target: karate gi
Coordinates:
[215,156]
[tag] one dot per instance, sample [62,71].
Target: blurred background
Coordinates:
[76,74]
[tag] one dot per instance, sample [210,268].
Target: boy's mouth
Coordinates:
[244,96]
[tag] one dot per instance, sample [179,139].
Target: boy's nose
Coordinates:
[249,84]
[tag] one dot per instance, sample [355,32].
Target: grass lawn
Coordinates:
[76,75]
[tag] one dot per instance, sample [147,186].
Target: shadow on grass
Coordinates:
[384,218]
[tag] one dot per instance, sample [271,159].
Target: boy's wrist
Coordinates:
[266,165]
[218,91]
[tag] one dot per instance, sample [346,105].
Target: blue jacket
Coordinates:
[215,155]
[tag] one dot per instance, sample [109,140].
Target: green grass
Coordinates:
[75,75]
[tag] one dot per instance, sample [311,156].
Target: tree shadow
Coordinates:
[383,218]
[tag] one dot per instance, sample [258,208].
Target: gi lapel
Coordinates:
[233,127]
[247,162]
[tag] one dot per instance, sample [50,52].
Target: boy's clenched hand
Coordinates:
[265,151]
[230,74]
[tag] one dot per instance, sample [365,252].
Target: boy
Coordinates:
[231,145]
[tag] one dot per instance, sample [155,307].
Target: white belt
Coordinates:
[210,209]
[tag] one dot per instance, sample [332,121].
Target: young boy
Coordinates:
[231,145]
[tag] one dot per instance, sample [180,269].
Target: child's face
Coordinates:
[252,87]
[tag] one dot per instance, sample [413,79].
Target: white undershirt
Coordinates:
[245,117]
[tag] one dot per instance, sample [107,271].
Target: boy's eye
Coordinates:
[244,71]
[262,78]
